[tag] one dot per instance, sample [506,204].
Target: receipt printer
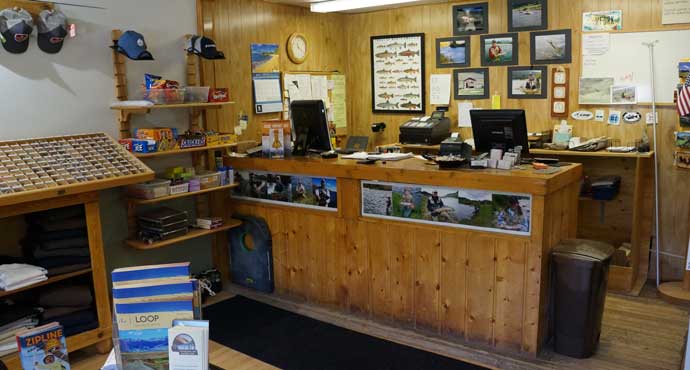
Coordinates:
[427,130]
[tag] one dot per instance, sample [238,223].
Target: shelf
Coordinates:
[144,110]
[181,195]
[601,153]
[51,280]
[182,151]
[192,234]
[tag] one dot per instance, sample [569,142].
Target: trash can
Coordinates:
[579,270]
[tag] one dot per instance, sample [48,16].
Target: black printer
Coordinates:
[429,131]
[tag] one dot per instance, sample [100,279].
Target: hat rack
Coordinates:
[33,7]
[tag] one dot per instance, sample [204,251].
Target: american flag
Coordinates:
[684,98]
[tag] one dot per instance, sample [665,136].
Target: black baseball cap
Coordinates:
[204,47]
[52,30]
[16,25]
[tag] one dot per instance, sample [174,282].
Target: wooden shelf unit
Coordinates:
[181,195]
[207,201]
[192,234]
[51,280]
[101,336]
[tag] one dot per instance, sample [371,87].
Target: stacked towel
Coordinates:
[18,275]
[13,319]
[57,240]
[71,306]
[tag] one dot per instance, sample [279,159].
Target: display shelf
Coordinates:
[182,151]
[144,110]
[181,195]
[601,153]
[192,234]
[51,280]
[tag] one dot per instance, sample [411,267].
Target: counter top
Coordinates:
[417,171]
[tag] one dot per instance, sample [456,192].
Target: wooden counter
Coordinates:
[466,284]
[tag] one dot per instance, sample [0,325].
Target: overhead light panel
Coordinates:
[342,5]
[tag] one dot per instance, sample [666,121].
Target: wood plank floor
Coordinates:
[639,333]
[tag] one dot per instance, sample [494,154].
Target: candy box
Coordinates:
[144,146]
[166,137]
[126,143]
[218,139]
[218,95]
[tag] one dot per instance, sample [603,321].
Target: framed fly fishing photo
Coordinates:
[397,73]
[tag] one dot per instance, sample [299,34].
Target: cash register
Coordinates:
[426,130]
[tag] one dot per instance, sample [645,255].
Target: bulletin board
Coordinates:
[331,87]
[627,46]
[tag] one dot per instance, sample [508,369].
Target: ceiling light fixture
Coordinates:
[341,5]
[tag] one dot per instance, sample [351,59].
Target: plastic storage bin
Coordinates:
[208,179]
[196,94]
[149,190]
[579,270]
[179,189]
[164,96]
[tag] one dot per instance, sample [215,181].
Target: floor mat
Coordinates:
[294,342]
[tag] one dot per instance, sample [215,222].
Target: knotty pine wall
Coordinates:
[341,42]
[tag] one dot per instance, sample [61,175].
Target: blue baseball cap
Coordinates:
[133,46]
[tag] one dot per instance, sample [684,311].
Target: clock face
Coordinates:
[559,78]
[559,92]
[298,46]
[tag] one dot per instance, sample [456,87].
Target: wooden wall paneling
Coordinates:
[279,237]
[402,273]
[534,290]
[453,286]
[427,278]
[296,254]
[380,271]
[481,280]
[330,257]
[510,285]
[356,258]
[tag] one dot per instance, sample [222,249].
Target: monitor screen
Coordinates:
[499,129]
[309,127]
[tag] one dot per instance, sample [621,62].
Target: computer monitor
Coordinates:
[309,127]
[499,129]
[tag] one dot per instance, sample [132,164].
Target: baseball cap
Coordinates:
[133,46]
[52,29]
[204,47]
[16,26]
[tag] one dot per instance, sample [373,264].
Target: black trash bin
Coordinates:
[579,271]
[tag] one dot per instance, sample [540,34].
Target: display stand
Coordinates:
[202,157]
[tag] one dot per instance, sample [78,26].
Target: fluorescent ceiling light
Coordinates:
[341,5]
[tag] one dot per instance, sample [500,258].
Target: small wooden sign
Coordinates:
[559,92]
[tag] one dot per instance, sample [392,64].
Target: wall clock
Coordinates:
[297,48]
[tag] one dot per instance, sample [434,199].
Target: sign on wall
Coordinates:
[286,189]
[675,11]
[463,208]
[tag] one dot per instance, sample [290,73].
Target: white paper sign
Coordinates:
[596,43]
[675,11]
[440,89]
[464,119]
[298,86]
[319,89]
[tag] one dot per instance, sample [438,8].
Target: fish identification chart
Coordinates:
[397,63]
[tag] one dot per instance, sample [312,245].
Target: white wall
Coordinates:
[70,92]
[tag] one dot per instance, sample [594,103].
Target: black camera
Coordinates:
[378,127]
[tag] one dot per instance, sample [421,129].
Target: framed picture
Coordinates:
[528,15]
[551,47]
[499,50]
[608,20]
[397,73]
[453,52]
[623,95]
[595,90]
[471,83]
[527,82]
[470,19]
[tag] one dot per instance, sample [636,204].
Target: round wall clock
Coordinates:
[297,48]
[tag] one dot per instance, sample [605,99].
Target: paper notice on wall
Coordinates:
[675,11]
[687,261]
[464,119]
[596,43]
[298,86]
[339,97]
[267,94]
[319,89]
[440,89]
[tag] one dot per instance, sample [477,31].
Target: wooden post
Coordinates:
[677,292]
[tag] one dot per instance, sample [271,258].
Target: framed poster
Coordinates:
[287,189]
[397,73]
[551,47]
[453,52]
[527,82]
[471,83]
[470,19]
[528,15]
[499,50]
[509,213]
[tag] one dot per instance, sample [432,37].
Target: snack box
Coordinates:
[144,146]
[218,139]
[192,141]
[218,95]
[126,143]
